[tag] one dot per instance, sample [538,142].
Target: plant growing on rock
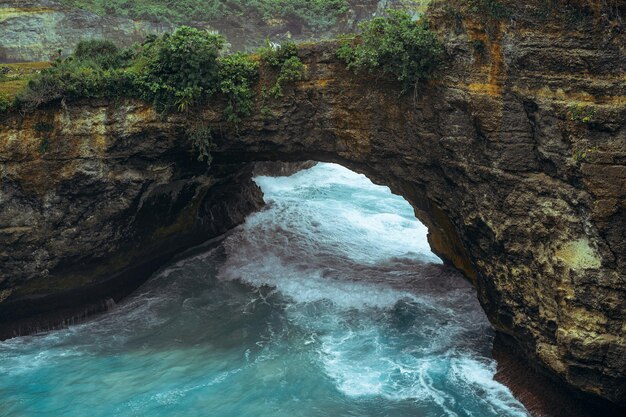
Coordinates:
[237,73]
[283,58]
[394,45]
[201,138]
[581,113]
[179,69]
[583,153]
[44,129]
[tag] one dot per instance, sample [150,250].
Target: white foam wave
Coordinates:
[315,245]
[335,206]
[319,176]
[306,286]
[478,377]
[443,380]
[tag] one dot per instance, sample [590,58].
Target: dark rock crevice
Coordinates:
[160,222]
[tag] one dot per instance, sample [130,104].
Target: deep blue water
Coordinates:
[327,303]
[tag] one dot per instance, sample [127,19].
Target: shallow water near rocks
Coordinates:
[327,303]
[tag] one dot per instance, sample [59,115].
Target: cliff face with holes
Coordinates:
[515,158]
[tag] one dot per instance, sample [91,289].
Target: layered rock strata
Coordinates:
[86,217]
[515,158]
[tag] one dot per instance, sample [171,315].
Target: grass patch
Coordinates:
[14,78]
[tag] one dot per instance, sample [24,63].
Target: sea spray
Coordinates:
[327,303]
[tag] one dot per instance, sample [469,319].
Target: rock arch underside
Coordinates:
[488,155]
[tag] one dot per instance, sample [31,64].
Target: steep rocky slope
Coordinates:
[87,218]
[515,158]
[35,30]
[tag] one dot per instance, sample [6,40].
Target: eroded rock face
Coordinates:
[519,191]
[90,208]
[281,169]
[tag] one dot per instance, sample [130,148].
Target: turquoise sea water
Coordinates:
[327,303]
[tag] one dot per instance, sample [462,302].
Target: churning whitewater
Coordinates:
[329,302]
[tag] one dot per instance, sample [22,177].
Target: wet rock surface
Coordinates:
[489,155]
[89,219]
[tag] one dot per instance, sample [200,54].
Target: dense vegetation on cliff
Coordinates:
[175,71]
[318,14]
[189,66]
[394,45]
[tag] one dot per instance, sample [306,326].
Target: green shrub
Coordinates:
[95,70]
[275,55]
[74,79]
[176,70]
[5,104]
[179,69]
[291,70]
[53,84]
[201,138]
[284,59]
[100,53]
[394,45]
[237,74]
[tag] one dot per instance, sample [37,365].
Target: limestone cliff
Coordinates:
[515,158]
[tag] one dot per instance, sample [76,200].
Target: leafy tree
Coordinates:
[394,45]
[237,73]
[181,68]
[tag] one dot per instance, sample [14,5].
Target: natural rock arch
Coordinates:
[485,156]
[487,170]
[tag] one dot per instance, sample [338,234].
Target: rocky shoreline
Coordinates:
[489,156]
[541,393]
